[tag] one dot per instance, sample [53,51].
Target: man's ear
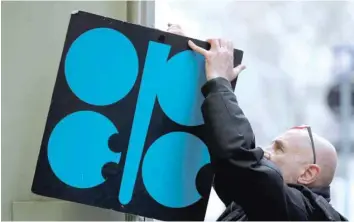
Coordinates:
[310,174]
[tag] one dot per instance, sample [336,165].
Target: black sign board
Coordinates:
[124,129]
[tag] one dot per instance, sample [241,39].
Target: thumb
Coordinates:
[238,69]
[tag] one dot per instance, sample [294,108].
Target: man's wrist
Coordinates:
[217,84]
[214,76]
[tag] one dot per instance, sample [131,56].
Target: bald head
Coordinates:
[326,159]
[292,152]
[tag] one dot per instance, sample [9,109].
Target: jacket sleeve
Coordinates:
[242,174]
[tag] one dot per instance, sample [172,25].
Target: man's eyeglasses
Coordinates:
[311,139]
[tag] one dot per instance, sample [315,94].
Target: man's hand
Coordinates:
[219,59]
[175,29]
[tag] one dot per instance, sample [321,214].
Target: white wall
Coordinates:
[33,35]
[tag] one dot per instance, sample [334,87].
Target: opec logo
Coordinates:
[101,67]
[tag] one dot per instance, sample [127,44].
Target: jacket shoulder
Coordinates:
[317,206]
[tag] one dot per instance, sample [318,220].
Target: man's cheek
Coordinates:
[280,163]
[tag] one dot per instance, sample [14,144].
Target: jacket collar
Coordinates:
[323,191]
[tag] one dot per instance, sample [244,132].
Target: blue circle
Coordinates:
[101,66]
[78,148]
[180,96]
[170,168]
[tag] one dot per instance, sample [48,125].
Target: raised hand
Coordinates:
[175,29]
[219,59]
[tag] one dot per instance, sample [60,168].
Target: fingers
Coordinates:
[226,44]
[238,69]
[170,25]
[197,48]
[214,43]
[230,45]
[175,29]
[223,43]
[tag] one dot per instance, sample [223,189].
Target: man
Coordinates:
[289,180]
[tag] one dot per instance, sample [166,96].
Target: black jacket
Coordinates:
[242,175]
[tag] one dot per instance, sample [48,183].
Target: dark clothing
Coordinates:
[233,212]
[242,175]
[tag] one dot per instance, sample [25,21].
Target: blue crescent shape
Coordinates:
[101,66]
[78,148]
[170,168]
